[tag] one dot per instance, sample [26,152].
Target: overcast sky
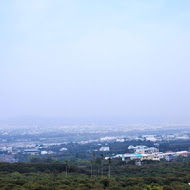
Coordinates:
[99,58]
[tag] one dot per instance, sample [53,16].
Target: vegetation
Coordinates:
[80,168]
[65,176]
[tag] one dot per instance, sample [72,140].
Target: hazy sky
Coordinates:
[95,58]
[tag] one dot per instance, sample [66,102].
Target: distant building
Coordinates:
[63,149]
[33,151]
[153,139]
[182,153]
[7,158]
[150,138]
[105,148]
[169,157]
[147,150]
[151,153]
[154,157]
[184,137]
[51,152]
[131,147]
[131,157]
[44,152]
[120,140]
[156,144]
[4,150]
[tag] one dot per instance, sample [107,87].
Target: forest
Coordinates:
[115,175]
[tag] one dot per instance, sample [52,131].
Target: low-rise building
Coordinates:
[182,153]
[43,152]
[33,151]
[63,149]
[131,147]
[105,148]
[147,150]
[170,157]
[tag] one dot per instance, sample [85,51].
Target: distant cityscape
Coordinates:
[59,143]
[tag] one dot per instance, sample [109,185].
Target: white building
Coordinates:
[33,151]
[131,147]
[147,150]
[44,152]
[105,148]
[63,149]
[120,140]
[182,153]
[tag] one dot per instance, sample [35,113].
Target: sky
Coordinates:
[95,59]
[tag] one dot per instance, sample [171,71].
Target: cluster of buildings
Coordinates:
[43,149]
[168,137]
[5,150]
[30,149]
[148,153]
[152,138]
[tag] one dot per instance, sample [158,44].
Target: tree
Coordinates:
[105,182]
[102,157]
[109,162]
[98,162]
[66,167]
[93,155]
[91,163]
[35,160]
